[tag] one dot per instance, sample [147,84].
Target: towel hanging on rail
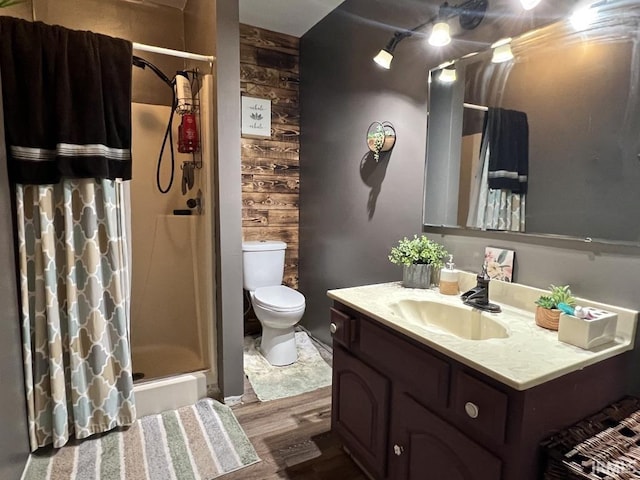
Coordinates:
[67,101]
[507,132]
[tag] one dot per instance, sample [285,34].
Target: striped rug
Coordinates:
[201,441]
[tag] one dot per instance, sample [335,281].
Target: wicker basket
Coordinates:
[564,456]
[547,318]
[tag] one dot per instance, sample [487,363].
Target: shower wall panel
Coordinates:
[170,320]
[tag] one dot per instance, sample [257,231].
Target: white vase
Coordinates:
[417,275]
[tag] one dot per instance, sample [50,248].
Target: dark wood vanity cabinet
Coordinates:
[405,411]
[429,448]
[361,400]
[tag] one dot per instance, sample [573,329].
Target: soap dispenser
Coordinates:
[449,278]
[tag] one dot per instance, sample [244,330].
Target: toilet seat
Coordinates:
[279,298]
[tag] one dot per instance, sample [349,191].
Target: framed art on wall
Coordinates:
[256,117]
[498,263]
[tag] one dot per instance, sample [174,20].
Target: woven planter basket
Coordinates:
[547,318]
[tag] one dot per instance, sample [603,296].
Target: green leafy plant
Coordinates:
[375,140]
[560,294]
[418,250]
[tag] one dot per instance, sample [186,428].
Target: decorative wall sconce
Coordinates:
[470,13]
[381,137]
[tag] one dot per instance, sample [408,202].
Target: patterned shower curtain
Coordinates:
[496,209]
[500,173]
[74,278]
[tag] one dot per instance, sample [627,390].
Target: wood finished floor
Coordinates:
[293,439]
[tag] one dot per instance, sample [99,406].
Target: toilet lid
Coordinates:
[278,298]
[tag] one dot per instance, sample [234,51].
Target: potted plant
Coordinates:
[547,312]
[419,257]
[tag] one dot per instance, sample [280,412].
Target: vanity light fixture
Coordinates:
[529,4]
[502,51]
[440,34]
[448,73]
[583,15]
[470,13]
[385,56]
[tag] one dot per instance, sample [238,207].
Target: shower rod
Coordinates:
[174,53]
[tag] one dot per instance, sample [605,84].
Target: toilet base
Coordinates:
[278,346]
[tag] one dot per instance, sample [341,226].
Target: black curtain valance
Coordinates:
[67,102]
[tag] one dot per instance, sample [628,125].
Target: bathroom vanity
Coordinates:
[414,399]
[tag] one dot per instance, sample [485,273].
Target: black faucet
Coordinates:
[478,296]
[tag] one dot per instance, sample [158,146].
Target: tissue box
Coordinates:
[590,333]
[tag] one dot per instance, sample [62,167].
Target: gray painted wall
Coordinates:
[14,443]
[353,209]
[229,304]
[341,93]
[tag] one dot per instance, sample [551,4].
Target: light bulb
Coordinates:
[448,75]
[502,53]
[440,35]
[583,17]
[529,4]
[383,59]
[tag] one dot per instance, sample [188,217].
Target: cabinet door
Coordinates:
[425,447]
[360,410]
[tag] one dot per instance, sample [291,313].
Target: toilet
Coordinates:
[277,307]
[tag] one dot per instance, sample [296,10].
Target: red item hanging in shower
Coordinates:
[188,134]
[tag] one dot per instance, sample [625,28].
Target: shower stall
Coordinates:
[172,322]
[172,303]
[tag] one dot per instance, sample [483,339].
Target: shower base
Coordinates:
[158,361]
[157,396]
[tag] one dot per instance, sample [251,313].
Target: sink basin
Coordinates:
[461,321]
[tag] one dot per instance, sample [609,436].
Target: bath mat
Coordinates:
[309,373]
[201,441]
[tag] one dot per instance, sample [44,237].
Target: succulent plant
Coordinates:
[560,294]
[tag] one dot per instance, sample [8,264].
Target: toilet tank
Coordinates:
[262,263]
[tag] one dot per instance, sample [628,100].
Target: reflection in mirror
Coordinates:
[545,143]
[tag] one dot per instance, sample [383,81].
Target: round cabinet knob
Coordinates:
[333,328]
[397,449]
[472,409]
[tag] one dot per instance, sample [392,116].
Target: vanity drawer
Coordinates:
[426,375]
[479,406]
[342,327]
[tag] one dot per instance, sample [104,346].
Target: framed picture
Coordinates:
[256,117]
[498,262]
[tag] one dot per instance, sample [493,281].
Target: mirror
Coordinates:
[579,92]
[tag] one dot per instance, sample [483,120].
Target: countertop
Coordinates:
[530,356]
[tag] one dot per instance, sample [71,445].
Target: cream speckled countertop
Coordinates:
[530,356]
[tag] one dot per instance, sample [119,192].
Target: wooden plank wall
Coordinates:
[269,68]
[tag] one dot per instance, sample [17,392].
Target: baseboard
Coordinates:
[233,400]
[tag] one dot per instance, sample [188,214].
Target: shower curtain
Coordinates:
[67,103]
[500,176]
[74,287]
